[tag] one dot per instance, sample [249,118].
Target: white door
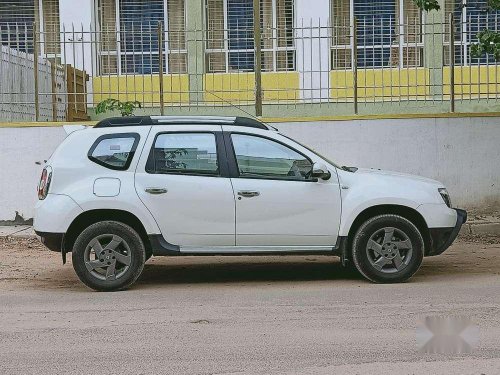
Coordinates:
[181,185]
[277,202]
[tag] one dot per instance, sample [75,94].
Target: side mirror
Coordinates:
[319,170]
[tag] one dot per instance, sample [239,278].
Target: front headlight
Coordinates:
[445,196]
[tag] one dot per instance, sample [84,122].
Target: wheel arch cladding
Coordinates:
[407,212]
[90,217]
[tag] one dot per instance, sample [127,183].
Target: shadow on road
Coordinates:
[225,270]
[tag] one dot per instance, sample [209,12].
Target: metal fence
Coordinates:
[343,66]
[19,80]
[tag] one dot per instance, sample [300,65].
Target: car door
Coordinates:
[181,180]
[278,203]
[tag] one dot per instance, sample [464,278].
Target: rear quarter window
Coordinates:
[114,151]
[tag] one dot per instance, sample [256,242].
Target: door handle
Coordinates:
[155,191]
[248,194]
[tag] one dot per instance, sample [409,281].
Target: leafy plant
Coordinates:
[125,108]
[488,40]
[427,5]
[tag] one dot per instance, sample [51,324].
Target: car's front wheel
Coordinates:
[108,256]
[388,249]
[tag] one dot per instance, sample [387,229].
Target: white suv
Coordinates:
[129,188]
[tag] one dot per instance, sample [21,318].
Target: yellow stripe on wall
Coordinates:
[473,81]
[380,83]
[145,89]
[240,87]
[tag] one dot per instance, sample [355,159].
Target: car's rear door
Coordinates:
[182,179]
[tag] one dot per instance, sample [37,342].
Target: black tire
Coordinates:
[130,248]
[409,260]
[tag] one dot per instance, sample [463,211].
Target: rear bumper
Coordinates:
[53,241]
[442,238]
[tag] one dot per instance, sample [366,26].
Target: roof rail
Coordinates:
[179,120]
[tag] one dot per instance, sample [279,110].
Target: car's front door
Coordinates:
[278,203]
[182,184]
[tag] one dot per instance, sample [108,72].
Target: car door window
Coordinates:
[114,151]
[259,157]
[184,153]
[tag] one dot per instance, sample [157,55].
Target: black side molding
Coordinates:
[160,247]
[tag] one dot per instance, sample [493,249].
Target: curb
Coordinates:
[492,229]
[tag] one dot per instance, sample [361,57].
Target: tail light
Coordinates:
[43,186]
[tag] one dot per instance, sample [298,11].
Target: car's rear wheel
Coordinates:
[108,256]
[388,249]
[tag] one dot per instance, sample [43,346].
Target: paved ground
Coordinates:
[250,315]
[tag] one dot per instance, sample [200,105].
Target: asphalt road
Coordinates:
[245,315]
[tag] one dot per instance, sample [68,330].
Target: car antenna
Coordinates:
[241,109]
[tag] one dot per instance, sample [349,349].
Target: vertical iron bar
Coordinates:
[258,57]
[452,64]
[160,66]
[35,71]
[73,48]
[355,64]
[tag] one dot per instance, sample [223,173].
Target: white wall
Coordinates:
[22,155]
[463,153]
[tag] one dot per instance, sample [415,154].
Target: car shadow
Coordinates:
[250,269]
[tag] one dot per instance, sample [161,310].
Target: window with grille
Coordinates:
[133,47]
[230,36]
[388,33]
[470,17]
[17,18]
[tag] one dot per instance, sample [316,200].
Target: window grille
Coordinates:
[389,33]
[470,17]
[132,48]
[230,36]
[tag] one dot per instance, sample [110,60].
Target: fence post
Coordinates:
[452,63]
[355,64]
[35,71]
[258,57]
[160,66]
[54,90]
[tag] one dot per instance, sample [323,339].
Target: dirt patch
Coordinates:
[26,263]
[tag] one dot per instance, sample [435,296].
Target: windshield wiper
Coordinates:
[349,169]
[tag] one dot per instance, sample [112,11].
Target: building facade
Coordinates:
[203,51]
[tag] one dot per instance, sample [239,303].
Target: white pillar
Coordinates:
[313,48]
[76,15]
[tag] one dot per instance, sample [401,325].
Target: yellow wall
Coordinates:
[386,84]
[473,81]
[145,89]
[240,87]
[380,84]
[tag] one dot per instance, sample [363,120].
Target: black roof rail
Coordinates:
[179,120]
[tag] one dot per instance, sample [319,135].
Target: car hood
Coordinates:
[406,176]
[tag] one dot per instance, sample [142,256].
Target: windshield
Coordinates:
[314,152]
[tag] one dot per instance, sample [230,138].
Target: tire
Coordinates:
[376,257]
[108,256]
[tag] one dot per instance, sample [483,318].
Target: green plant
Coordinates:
[125,108]
[488,40]
[427,5]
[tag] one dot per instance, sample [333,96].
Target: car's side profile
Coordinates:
[131,188]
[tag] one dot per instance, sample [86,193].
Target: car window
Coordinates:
[114,151]
[185,153]
[259,157]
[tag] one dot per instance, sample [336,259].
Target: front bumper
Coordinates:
[442,238]
[53,241]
